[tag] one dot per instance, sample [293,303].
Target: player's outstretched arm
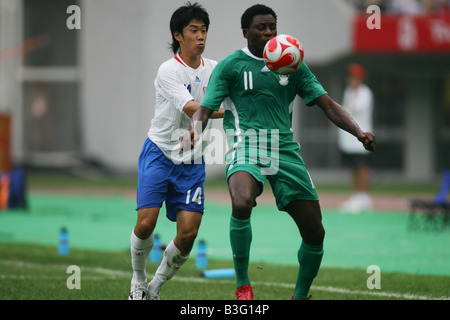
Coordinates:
[198,123]
[340,117]
[191,107]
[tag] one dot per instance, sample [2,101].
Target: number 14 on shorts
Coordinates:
[197,197]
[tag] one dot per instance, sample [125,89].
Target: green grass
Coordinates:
[34,272]
[37,272]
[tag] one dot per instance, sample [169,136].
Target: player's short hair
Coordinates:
[256,10]
[181,18]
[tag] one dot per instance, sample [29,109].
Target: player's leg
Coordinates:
[308,218]
[244,189]
[153,169]
[188,224]
[292,183]
[185,205]
[142,242]
[177,251]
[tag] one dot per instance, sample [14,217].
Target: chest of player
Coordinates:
[258,83]
[196,83]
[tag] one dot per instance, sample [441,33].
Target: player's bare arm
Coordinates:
[201,116]
[340,117]
[191,107]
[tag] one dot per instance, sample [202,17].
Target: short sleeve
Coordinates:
[218,87]
[169,84]
[309,88]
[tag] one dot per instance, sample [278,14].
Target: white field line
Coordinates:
[104,273]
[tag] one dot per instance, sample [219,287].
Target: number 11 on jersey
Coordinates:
[248,80]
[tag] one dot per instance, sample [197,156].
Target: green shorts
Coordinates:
[289,178]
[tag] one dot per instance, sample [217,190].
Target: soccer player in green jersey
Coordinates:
[258,123]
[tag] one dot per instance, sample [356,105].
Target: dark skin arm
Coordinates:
[342,119]
[193,106]
[198,123]
[332,110]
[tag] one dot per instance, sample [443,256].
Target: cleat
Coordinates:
[139,291]
[152,294]
[244,292]
[309,298]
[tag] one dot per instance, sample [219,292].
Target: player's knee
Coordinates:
[315,236]
[144,228]
[188,236]
[242,207]
[320,234]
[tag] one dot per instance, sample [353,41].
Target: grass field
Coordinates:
[31,269]
[39,273]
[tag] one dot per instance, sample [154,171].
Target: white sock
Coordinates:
[140,250]
[172,260]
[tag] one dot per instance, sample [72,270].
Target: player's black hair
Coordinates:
[256,10]
[181,18]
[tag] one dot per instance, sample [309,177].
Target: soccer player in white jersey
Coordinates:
[165,172]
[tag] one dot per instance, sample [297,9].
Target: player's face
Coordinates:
[354,81]
[193,39]
[262,29]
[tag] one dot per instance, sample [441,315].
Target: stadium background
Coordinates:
[87,96]
[80,103]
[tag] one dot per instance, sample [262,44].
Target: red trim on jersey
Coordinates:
[181,61]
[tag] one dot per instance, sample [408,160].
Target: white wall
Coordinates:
[124,42]
[114,61]
[10,77]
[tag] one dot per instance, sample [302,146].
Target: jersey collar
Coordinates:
[178,58]
[247,52]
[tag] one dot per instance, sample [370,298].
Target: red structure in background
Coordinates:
[5,142]
[402,34]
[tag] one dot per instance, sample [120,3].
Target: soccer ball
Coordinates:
[283,54]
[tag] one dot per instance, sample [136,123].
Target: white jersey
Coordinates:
[176,84]
[359,104]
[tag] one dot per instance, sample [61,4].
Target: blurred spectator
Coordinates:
[435,6]
[430,6]
[358,101]
[405,6]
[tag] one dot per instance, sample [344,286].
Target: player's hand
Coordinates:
[368,140]
[188,140]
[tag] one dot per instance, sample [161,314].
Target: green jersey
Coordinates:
[256,99]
